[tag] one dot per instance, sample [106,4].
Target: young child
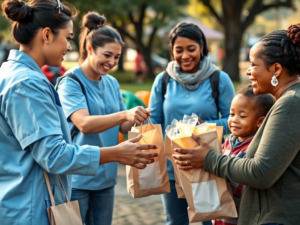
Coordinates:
[247,113]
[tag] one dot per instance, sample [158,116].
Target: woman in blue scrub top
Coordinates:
[34,133]
[99,114]
[188,91]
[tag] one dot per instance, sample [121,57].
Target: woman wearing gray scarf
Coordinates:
[188,91]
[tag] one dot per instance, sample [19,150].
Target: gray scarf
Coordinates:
[193,80]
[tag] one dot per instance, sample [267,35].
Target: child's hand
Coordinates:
[192,158]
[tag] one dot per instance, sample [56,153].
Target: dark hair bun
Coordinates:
[16,10]
[293,32]
[93,20]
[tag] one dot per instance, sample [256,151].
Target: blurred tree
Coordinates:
[137,20]
[235,17]
[4,25]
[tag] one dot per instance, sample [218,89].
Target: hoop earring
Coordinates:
[274,81]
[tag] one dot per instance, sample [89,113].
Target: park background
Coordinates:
[231,28]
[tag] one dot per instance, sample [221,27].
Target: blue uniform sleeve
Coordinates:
[34,119]
[71,96]
[156,101]
[226,94]
[57,157]
[31,113]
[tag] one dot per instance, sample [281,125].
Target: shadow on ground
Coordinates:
[140,211]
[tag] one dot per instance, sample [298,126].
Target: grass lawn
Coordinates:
[125,77]
[133,87]
[125,80]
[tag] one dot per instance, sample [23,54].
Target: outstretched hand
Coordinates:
[191,158]
[132,154]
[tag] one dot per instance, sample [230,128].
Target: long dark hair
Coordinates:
[95,30]
[29,18]
[190,31]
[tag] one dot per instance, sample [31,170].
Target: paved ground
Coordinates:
[141,211]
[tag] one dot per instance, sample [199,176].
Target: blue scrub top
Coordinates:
[200,102]
[103,97]
[34,134]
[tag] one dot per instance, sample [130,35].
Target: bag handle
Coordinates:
[49,188]
[149,121]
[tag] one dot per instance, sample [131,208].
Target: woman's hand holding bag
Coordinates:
[192,158]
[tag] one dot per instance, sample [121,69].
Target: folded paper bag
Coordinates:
[208,196]
[180,132]
[154,178]
[169,150]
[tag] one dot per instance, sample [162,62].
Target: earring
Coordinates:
[274,81]
[201,54]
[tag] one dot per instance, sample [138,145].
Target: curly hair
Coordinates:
[283,46]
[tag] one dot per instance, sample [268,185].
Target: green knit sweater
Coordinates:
[271,170]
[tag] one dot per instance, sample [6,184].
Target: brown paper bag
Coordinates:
[219,132]
[64,214]
[154,178]
[169,150]
[208,196]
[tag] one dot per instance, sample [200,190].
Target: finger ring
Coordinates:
[186,162]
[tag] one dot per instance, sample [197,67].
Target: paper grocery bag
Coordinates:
[219,132]
[154,178]
[169,150]
[208,196]
[64,214]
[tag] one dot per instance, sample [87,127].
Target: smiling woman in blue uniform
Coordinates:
[98,112]
[188,91]
[34,134]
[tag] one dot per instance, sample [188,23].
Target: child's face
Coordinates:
[243,121]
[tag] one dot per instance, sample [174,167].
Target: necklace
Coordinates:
[187,92]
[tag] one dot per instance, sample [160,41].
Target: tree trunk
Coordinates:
[148,62]
[233,38]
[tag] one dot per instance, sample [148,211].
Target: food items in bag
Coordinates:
[208,196]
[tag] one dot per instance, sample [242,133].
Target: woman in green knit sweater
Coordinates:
[271,169]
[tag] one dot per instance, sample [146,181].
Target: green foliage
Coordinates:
[120,13]
[4,27]
[117,11]
[136,20]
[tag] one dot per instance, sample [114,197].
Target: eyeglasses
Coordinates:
[59,6]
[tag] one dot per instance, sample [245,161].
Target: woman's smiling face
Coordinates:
[258,72]
[105,58]
[186,53]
